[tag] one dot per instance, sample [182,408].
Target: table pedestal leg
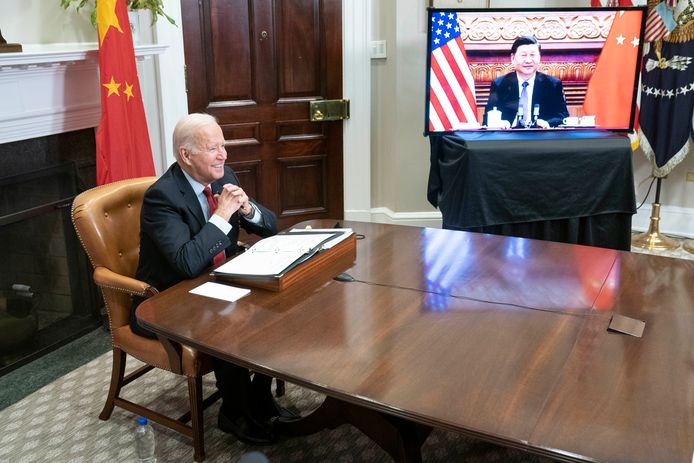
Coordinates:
[402,439]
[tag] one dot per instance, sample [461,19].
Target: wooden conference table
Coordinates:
[500,338]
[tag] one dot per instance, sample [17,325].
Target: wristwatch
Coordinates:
[251,214]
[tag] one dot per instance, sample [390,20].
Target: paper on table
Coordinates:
[219,291]
[273,255]
[344,233]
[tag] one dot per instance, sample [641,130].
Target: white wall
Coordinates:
[43,21]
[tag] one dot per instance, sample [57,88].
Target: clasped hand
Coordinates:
[232,198]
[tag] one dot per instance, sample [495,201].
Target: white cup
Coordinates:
[571,120]
[494,118]
[587,120]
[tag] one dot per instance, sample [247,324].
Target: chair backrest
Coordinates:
[107,222]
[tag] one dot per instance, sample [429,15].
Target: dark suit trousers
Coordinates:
[240,393]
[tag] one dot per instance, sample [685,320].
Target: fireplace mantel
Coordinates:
[50,89]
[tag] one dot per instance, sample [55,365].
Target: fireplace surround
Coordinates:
[46,294]
[48,115]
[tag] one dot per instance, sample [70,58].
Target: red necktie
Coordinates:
[207,191]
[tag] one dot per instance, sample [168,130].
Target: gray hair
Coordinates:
[185,132]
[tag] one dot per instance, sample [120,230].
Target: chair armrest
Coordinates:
[109,279]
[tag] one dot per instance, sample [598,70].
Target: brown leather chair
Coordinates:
[107,221]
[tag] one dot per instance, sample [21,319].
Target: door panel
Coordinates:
[256,65]
[229,80]
[299,58]
[300,181]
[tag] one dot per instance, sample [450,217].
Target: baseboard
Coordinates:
[674,220]
[385,215]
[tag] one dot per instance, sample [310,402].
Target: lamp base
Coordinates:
[689,246]
[653,239]
[10,47]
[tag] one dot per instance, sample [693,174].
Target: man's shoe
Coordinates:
[284,415]
[269,409]
[246,429]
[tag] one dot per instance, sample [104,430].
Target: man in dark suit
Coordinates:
[526,97]
[179,239]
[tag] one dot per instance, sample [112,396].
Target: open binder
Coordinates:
[276,262]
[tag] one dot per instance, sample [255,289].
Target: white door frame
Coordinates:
[356,23]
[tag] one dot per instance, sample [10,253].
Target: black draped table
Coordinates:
[568,186]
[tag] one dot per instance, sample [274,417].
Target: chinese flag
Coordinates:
[609,96]
[122,142]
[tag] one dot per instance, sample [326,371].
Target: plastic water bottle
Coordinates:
[144,441]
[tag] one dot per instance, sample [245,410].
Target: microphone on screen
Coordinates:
[518,120]
[534,116]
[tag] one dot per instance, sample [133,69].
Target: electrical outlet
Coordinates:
[378,49]
[690,176]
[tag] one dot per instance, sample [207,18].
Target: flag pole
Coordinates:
[653,239]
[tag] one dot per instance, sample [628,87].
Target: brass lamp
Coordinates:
[653,239]
[8,47]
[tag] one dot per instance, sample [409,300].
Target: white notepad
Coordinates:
[220,291]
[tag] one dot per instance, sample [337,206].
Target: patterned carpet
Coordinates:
[59,423]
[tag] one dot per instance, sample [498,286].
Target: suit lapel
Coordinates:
[217,185]
[537,88]
[189,198]
[513,86]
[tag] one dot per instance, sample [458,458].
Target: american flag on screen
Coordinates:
[451,86]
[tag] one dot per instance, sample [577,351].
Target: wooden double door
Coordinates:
[256,65]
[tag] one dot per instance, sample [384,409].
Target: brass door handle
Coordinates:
[318,115]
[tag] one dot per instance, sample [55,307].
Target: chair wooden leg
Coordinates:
[196,407]
[117,373]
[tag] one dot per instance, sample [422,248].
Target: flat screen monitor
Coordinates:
[533,69]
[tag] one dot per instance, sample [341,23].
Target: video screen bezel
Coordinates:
[526,12]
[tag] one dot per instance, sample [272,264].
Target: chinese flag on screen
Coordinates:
[608,96]
[122,142]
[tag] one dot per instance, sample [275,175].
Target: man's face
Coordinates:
[525,60]
[205,162]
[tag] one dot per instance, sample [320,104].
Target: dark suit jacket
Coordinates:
[176,242]
[548,92]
